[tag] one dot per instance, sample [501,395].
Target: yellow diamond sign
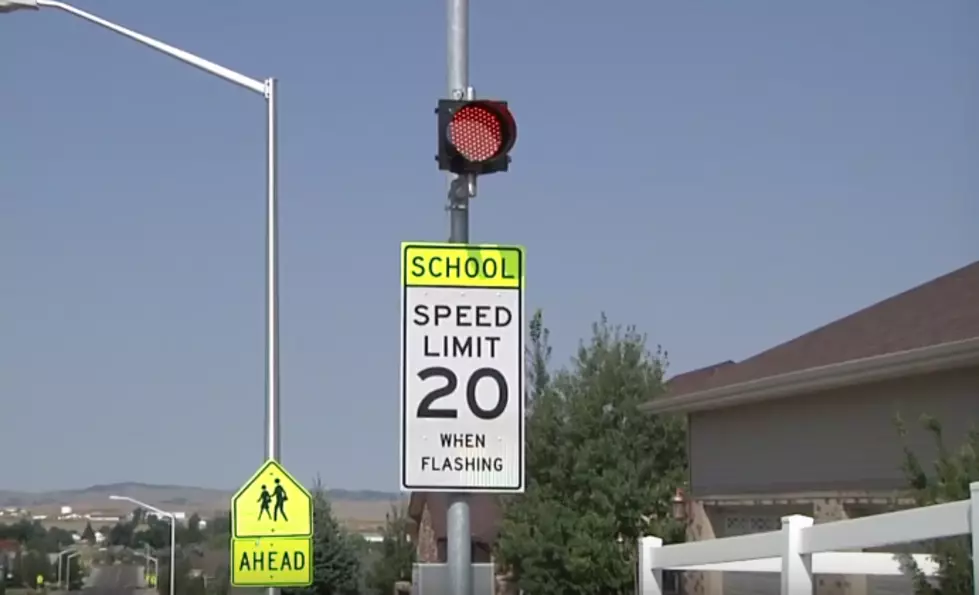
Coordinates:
[272,562]
[272,504]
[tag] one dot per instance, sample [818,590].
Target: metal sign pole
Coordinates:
[458,533]
[273,439]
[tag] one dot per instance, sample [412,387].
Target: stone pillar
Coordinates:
[700,528]
[827,510]
[426,549]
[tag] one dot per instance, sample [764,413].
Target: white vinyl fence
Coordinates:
[802,549]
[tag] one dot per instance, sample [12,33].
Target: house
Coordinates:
[427,511]
[807,427]
[10,547]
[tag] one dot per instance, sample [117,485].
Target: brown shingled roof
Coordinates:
[943,310]
[694,380]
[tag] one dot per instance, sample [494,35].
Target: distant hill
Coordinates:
[166,496]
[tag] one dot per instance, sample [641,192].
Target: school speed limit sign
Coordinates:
[462,368]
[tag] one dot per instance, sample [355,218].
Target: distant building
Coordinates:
[180,516]
[65,510]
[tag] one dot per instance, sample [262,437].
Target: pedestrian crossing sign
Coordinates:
[272,504]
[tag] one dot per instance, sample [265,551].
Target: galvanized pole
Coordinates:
[461,189]
[173,554]
[273,439]
[68,570]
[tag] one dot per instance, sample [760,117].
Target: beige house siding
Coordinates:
[848,442]
[709,521]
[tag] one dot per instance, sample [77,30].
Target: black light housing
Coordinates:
[475,136]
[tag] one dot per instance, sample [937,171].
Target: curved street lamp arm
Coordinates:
[164,48]
[149,507]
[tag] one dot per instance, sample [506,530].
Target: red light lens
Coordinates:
[476,133]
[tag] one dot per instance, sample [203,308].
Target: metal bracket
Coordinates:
[462,188]
[468,94]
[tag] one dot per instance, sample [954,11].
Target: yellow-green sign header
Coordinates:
[462,265]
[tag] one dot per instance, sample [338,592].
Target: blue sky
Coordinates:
[725,175]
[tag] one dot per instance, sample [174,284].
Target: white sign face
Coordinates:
[462,376]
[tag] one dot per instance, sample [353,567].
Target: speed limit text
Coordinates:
[461,316]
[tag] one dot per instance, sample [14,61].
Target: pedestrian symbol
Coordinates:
[264,500]
[280,501]
[272,504]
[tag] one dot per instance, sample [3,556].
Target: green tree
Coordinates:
[34,536]
[73,573]
[186,584]
[156,534]
[396,554]
[221,585]
[600,472]
[336,567]
[192,533]
[218,530]
[89,533]
[59,539]
[538,358]
[137,516]
[28,565]
[122,533]
[948,481]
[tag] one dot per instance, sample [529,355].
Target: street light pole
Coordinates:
[173,554]
[156,564]
[68,570]
[60,554]
[267,88]
[173,534]
[149,559]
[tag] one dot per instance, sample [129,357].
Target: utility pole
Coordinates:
[461,189]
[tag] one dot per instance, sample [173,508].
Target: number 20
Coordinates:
[426,409]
